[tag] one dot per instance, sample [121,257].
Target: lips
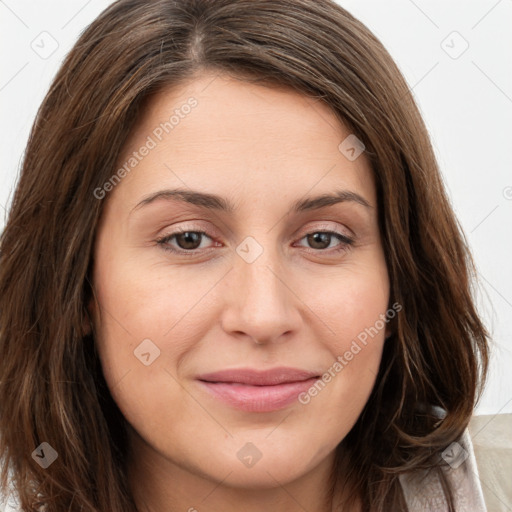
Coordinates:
[253,390]
[254,377]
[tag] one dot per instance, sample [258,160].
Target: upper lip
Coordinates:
[255,377]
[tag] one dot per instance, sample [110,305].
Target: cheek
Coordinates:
[147,326]
[354,307]
[135,301]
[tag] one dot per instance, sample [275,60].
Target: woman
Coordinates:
[231,277]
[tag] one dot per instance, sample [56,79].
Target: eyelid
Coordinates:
[324,226]
[210,232]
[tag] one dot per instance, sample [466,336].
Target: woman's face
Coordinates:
[252,285]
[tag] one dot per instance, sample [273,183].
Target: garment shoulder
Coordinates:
[423,491]
[491,436]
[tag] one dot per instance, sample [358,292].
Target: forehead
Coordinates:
[217,132]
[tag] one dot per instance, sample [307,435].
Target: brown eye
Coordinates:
[321,240]
[184,242]
[188,240]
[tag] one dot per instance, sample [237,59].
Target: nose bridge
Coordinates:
[259,303]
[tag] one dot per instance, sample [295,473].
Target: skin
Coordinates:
[298,304]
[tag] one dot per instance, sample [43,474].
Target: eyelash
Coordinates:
[346,242]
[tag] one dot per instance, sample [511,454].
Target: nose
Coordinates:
[259,302]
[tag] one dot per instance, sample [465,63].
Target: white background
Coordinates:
[466,103]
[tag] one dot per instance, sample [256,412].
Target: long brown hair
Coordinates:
[52,389]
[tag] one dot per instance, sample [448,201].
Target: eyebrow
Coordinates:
[218,203]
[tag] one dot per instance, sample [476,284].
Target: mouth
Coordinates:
[252,390]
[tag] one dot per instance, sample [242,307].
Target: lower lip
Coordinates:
[258,398]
